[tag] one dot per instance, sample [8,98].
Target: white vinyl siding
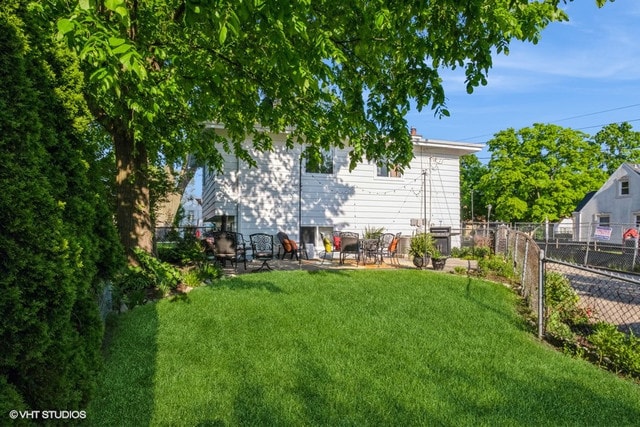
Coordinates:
[279,195]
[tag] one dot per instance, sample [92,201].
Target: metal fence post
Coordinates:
[524,262]
[586,252]
[515,255]
[635,254]
[541,282]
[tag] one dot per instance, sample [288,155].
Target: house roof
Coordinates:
[418,140]
[585,200]
[467,147]
[635,167]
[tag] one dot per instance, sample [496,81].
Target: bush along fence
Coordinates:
[591,312]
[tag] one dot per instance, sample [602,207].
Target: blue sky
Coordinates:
[583,74]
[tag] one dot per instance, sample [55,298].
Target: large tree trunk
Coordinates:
[132,187]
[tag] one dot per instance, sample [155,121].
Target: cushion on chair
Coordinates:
[289,245]
[393,245]
[327,244]
[336,242]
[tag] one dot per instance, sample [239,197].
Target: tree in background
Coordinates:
[330,71]
[57,237]
[619,144]
[472,198]
[540,173]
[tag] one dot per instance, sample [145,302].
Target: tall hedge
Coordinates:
[57,238]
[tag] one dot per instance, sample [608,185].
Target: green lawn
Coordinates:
[402,347]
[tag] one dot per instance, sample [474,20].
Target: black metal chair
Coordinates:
[371,249]
[389,247]
[262,248]
[228,246]
[349,245]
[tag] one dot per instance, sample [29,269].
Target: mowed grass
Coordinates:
[347,348]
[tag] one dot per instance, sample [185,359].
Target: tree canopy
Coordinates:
[472,198]
[542,172]
[619,143]
[330,72]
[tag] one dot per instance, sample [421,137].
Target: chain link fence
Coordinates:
[525,255]
[603,296]
[173,234]
[610,246]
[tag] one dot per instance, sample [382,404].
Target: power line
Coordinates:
[593,114]
[575,117]
[606,124]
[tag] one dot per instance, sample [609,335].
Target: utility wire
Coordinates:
[576,117]
[593,114]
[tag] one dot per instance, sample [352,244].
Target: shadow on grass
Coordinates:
[125,393]
[239,283]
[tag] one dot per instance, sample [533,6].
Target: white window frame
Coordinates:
[600,217]
[391,173]
[623,187]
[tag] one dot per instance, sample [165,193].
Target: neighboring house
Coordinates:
[613,209]
[283,194]
[192,207]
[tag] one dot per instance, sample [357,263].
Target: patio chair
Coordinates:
[262,249]
[228,246]
[389,247]
[349,245]
[328,248]
[288,246]
[371,249]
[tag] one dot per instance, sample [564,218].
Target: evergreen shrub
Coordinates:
[55,245]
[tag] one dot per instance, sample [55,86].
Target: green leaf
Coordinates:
[113,4]
[379,20]
[223,34]
[116,41]
[65,26]
[122,11]
[84,4]
[122,49]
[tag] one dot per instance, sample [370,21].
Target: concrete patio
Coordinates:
[350,264]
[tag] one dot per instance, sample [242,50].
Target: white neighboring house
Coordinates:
[192,211]
[283,194]
[615,206]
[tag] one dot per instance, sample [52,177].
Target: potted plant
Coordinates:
[421,248]
[437,259]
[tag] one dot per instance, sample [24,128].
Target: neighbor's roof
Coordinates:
[585,200]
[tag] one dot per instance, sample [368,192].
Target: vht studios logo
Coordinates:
[48,415]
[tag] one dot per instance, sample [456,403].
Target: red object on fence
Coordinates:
[630,233]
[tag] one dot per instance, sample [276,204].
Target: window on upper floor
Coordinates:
[623,187]
[637,217]
[388,171]
[322,165]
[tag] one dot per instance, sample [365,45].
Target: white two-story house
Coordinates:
[615,208]
[283,193]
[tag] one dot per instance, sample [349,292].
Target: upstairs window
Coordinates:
[387,171]
[323,165]
[623,187]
